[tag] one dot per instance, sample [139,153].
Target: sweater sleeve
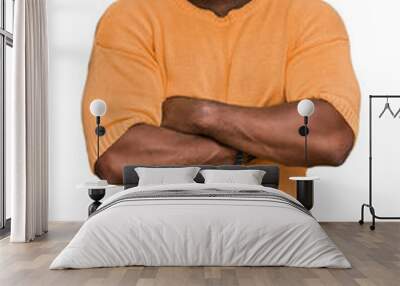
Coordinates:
[319,64]
[124,73]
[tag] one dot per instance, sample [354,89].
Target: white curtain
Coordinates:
[27,160]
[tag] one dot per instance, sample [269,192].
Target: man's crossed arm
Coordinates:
[195,131]
[151,145]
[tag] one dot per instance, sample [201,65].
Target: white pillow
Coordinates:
[166,176]
[247,177]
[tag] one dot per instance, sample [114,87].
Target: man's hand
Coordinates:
[187,115]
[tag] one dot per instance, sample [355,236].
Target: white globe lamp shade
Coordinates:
[305,108]
[98,107]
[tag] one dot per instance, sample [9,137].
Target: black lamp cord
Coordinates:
[98,136]
[305,140]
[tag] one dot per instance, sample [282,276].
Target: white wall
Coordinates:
[373,28]
[71,29]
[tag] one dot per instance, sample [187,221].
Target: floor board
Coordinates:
[375,257]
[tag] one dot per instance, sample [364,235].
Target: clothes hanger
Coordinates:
[387,107]
[397,113]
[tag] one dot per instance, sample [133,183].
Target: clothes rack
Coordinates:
[370,203]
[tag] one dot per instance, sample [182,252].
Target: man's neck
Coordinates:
[220,7]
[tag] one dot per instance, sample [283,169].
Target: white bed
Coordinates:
[185,230]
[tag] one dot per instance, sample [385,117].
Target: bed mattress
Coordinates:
[201,225]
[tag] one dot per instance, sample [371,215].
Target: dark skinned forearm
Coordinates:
[150,145]
[270,133]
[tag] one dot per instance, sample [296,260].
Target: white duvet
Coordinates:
[200,231]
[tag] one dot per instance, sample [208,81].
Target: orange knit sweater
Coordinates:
[266,53]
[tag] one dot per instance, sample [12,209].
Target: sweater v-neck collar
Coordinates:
[211,16]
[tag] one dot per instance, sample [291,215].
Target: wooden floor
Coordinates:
[375,257]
